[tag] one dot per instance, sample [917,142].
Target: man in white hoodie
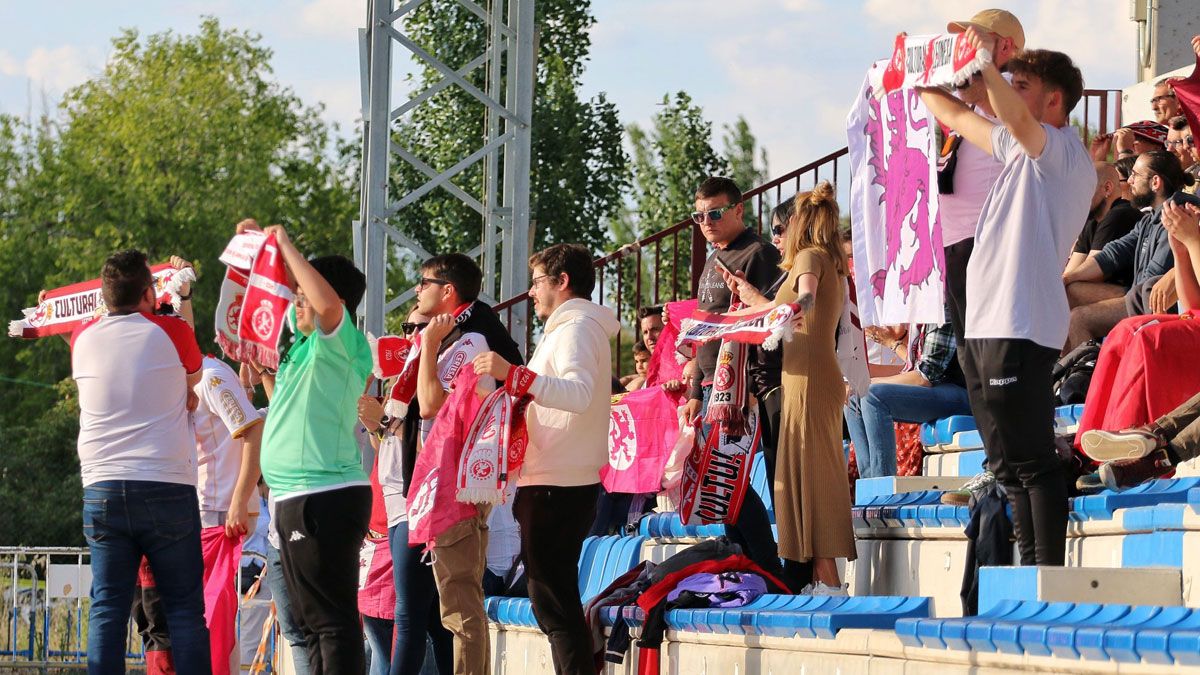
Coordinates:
[567,421]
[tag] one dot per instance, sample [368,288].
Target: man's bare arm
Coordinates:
[976,129]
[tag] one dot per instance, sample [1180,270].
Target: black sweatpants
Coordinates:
[320,536]
[1008,382]
[554,522]
[957,257]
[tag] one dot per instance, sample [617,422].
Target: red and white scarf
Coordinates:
[265,306]
[406,384]
[229,311]
[64,309]
[766,327]
[389,354]
[717,476]
[496,442]
[729,397]
[931,61]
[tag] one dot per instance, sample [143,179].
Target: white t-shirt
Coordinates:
[1029,223]
[504,534]
[131,370]
[450,362]
[974,176]
[222,417]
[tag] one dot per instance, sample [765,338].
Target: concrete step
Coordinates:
[1098,585]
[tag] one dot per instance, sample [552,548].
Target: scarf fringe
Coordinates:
[263,355]
[480,495]
[782,334]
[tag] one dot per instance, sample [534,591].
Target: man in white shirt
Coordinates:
[138,464]
[1017,310]
[567,422]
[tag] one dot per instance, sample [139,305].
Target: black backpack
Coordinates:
[1073,373]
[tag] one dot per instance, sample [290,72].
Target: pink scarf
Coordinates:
[265,306]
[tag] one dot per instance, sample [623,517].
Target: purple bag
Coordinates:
[727,589]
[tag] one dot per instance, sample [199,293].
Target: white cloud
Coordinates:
[332,18]
[54,69]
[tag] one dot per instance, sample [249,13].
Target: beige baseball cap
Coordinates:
[998,21]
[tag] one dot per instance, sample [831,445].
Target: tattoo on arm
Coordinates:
[805,301]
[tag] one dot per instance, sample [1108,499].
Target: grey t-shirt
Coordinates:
[1030,221]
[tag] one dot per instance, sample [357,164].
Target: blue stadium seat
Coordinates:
[602,560]
[790,615]
[1123,633]
[1165,491]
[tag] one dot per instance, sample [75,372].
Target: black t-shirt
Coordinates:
[748,253]
[1117,223]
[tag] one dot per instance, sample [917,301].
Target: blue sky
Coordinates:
[791,67]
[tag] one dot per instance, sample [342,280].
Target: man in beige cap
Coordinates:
[965,176]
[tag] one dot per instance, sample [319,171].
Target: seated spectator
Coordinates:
[929,387]
[1143,257]
[1142,453]
[1164,103]
[1110,219]
[650,325]
[1124,167]
[1131,140]
[1182,144]
[641,359]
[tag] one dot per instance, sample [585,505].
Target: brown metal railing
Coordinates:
[1100,109]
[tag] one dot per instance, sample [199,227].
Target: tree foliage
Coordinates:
[175,141]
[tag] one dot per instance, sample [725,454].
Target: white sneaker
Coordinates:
[821,590]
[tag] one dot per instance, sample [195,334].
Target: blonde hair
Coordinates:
[814,224]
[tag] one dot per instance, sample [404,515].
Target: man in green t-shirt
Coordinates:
[311,460]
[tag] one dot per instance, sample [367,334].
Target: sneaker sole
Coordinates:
[955,499]
[1106,446]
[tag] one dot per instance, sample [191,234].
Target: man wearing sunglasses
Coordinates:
[460,328]
[718,213]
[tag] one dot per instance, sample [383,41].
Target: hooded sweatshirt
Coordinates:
[568,418]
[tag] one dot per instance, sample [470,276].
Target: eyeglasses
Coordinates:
[713,215]
[301,302]
[425,281]
[778,230]
[409,327]
[1161,99]
[533,283]
[1133,173]
[1188,141]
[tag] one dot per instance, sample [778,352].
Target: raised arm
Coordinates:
[950,111]
[324,300]
[1008,104]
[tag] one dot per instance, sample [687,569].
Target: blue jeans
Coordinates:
[379,644]
[417,612]
[283,612]
[871,419]
[122,521]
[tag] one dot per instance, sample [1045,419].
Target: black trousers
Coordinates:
[1008,382]
[957,257]
[770,408]
[554,522]
[320,536]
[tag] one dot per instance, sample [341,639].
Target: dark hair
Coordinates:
[640,347]
[460,270]
[719,185]
[124,278]
[1178,123]
[1056,71]
[649,310]
[571,259]
[783,212]
[1125,166]
[1166,166]
[346,279]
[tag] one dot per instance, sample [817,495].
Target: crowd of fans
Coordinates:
[1048,246]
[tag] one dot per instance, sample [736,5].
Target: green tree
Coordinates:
[578,165]
[747,163]
[175,141]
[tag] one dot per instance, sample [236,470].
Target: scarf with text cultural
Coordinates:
[931,61]
[717,475]
[62,310]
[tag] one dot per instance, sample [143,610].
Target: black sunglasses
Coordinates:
[778,230]
[409,327]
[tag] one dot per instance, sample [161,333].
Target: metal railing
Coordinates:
[1099,110]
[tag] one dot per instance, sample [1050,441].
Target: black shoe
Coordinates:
[1127,473]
